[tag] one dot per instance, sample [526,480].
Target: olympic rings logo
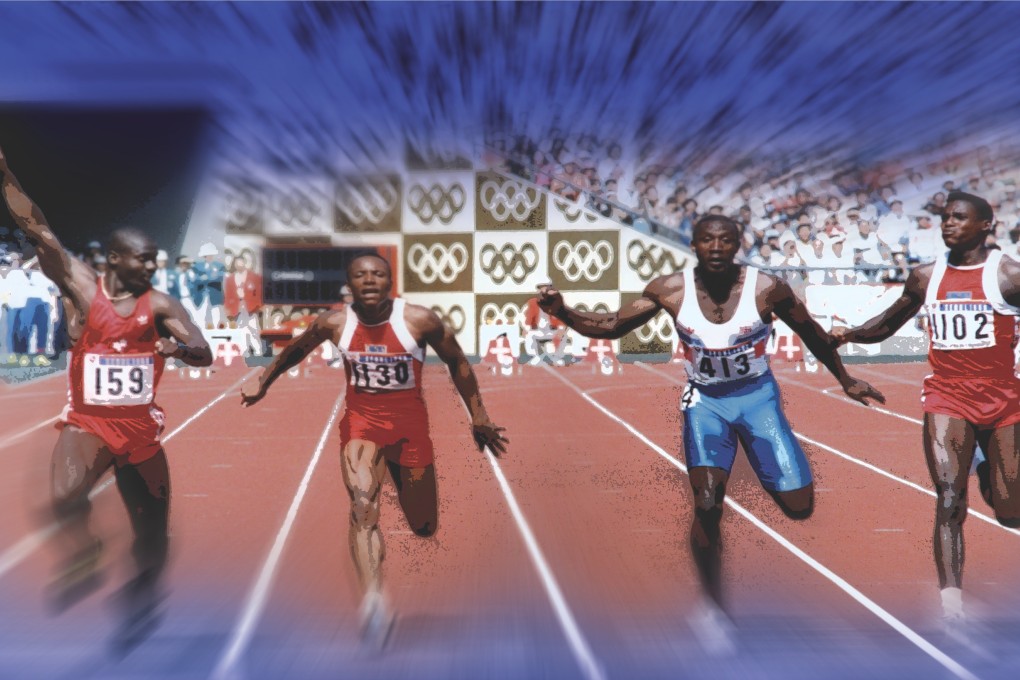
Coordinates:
[437,262]
[508,262]
[650,261]
[508,314]
[369,201]
[509,199]
[436,202]
[293,209]
[241,207]
[573,212]
[597,308]
[583,260]
[455,317]
[659,328]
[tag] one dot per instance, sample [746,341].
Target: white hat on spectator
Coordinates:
[207,249]
[786,237]
[771,233]
[161,256]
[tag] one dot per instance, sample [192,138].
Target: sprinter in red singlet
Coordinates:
[971,296]
[123,331]
[385,424]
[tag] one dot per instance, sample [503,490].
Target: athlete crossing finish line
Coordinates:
[971,296]
[385,424]
[723,314]
[122,332]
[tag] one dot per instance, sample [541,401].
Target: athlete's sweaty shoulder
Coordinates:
[769,289]
[330,323]
[1009,280]
[421,321]
[918,280]
[667,291]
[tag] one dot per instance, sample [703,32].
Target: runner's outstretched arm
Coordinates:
[322,329]
[441,338]
[610,325]
[788,307]
[884,325]
[68,273]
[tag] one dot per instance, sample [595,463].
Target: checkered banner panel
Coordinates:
[506,203]
[367,204]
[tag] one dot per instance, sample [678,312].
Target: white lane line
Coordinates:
[7,441]
[18,552]
[255,603]
[864,464]
[830,392]
[590,666]
[931,650]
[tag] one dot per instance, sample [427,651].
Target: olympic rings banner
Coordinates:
[644,258]
[505,203]
[508,262]
[367,204]
[439,202]
[439,263]
[584,260]
[601,302]
[298,207]
[457,310]
[656,336]
[240,204]
[564,215]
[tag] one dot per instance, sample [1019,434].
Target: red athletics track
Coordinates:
[609,513]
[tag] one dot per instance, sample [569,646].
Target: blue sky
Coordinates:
[307,84]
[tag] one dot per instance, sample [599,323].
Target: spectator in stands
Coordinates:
[242,300]
[869,250]
[161,277]
[713,193]
[208,293]
[924,241]
[543,169]
[1012,249]
[576,180]
[864,207]
[7,313]
[894,231]
[16,287]
[937,205]
[186,286]
[98,264]
[34,318]
[840,259]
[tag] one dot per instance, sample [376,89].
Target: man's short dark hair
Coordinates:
[984,209]
[369,253]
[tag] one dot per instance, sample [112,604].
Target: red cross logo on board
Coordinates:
[228,351]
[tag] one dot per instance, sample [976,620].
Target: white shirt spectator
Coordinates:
[18,288]
[893,228]
[925,243]
[869,246]
[40,287]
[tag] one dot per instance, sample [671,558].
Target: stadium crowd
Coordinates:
[830,223]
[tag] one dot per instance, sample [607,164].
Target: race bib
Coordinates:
[118,379]
[961,325]
[382,372]
[709,366]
